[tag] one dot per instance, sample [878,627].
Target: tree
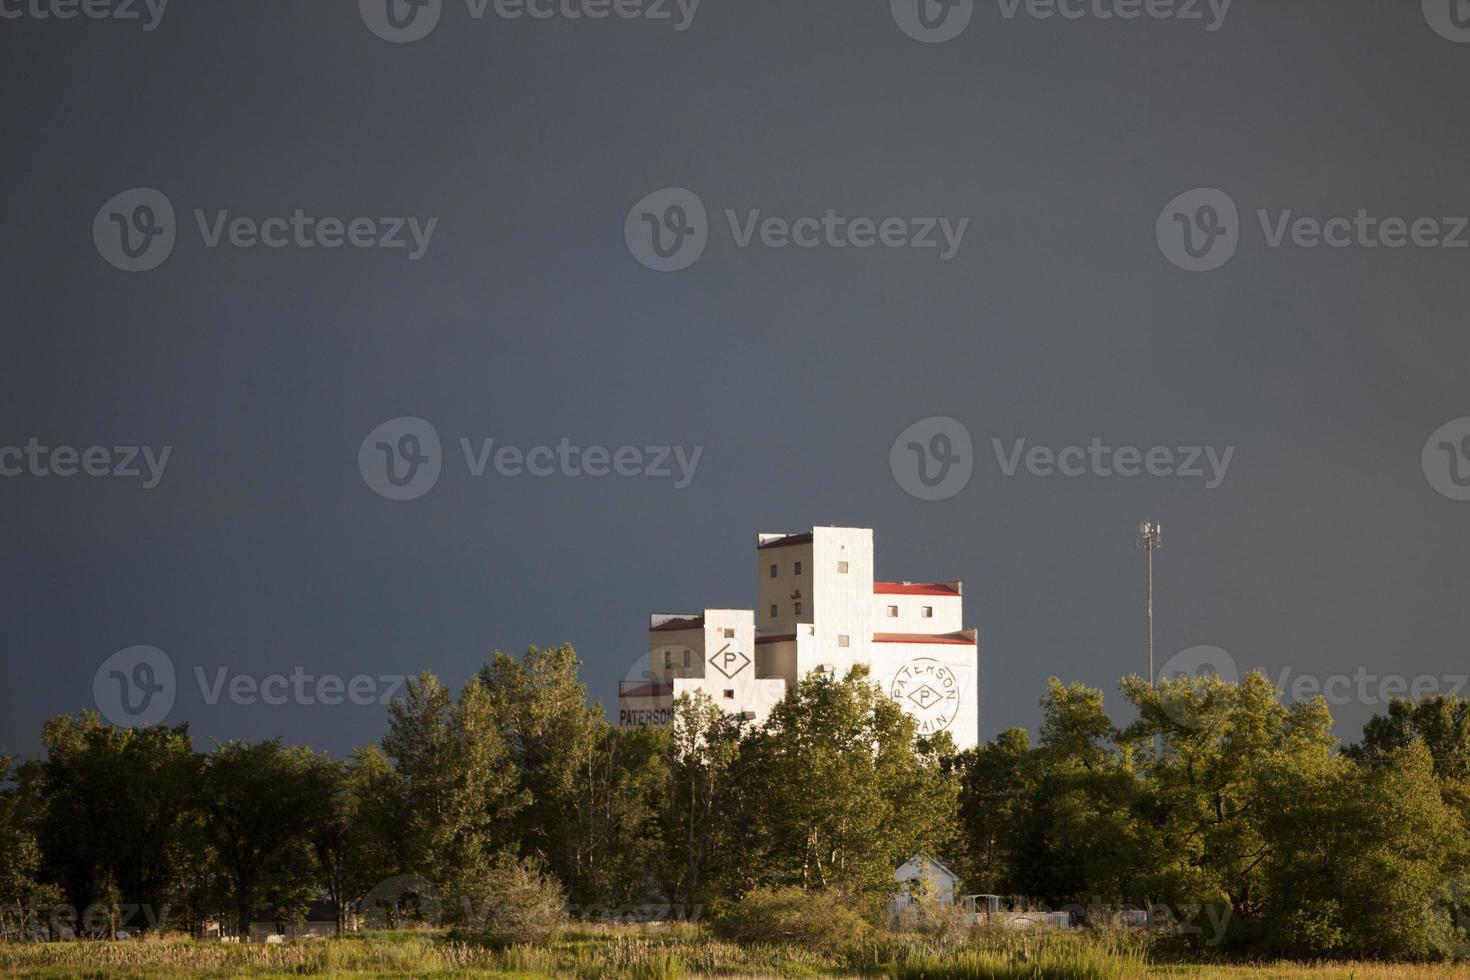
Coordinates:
[702,749]
[460,786]
[997,804]
[837,790]
[116,806]
[266,805]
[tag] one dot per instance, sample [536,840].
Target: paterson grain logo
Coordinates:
[929,691]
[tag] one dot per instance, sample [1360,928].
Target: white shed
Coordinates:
[922,876]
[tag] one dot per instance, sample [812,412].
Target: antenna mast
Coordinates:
[1150,539]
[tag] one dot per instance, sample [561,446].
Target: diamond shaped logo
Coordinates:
[729,662]
[925,696]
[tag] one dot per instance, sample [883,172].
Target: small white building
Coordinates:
[818,608]
[923,877]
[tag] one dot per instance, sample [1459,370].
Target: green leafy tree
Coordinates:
[116,806]
[461,790]
[265,805]
[836,790]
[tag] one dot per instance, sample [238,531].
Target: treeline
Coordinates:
[514,792]
[511,787]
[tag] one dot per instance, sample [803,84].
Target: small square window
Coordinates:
[798,609]
[729,634]
[842,639]
[729,694]
[927,612]
[892,611]
[798,568]
[773,571]
[842,568]
[774,614]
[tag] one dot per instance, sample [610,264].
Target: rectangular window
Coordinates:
[729,634]
[729,694]
[842,639]
[798,609]
[773,571]
[927,612]
[798,568]
[686,658]
[842,568]
[892,611]
[668,659]
[773,610]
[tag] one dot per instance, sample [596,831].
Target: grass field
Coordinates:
[658,953]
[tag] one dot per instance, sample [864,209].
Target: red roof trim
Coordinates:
[913,588]
[957,638]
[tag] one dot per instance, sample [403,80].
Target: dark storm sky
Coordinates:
[1325,550]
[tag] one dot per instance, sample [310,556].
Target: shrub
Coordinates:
[509,901]
[819,920]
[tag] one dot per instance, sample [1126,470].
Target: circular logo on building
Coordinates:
[135,687]
[928,691]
